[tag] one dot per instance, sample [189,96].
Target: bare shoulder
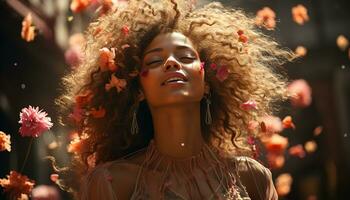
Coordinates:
[124,175]
[256,178]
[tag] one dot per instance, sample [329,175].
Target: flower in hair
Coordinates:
[34,122]
[266,18]
[79,144]
[222,73]
[241,37]
[106,59]
[28,31]
[77,114]
[119,84]
[300,15]
[249,105]
[213,66]
[5,142]
[288,122]
[16,185]
[79,5]
[98,113]
[125,30]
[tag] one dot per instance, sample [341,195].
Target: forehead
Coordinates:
[169,40]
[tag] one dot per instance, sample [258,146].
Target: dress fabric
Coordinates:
[204,176]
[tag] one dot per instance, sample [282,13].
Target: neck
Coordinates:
[177,130]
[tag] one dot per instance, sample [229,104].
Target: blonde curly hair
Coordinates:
[254,73]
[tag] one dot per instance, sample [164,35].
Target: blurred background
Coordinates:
[319,168]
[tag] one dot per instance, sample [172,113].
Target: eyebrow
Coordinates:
[161,49]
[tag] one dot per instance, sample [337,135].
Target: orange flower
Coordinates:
[266,17]
[5,142]
[297,151]
[100,113]
[301,51]
[342,42]
[283,183]
[300,15]
[79,5]
[288,123]
[106,59]
[318,130]
[78,144]
[54,177]
[275,143]
[17,184]
[275,160]
[28,31]
[119,84]
[84,98]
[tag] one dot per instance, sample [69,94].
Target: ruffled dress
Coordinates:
[204,176]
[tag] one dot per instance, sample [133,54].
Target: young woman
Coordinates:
[163,100]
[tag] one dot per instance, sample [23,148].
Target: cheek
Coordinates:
[144,73]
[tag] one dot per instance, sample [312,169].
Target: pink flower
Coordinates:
[34,122]
[125,30]
[5,142]
[73,56]
[249,105]
[222,73]
[106,59]
[119,84]
[301,93]
[45,192]
[266,17]
[275,143]
[272,124]
[54,177]
[297,151]
[16,184]
[213,66]
[201,67]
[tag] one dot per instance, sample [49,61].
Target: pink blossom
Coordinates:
[222,73]
[45,192]
[73,56]
[301,93]
[272,124]
[34,122]
[249,105]
[297,151]
[119,84]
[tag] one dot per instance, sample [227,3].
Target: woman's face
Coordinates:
[171,71]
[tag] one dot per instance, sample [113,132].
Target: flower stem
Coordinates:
[27,155]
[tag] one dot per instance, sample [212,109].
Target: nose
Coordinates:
[171,62]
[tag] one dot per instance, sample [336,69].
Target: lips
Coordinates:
[174,77]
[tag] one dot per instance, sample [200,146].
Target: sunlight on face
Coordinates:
[171,71]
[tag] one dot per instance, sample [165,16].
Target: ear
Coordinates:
[206,88]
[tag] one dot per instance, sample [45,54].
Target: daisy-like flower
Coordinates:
[5,142]
[34,122]
[287,122]
[266,18]
[342,42]
[28,30]
[249,105]
[300,93]
[119,84]
[79,5]
[16,184]
[222,73]
[98,113]
[297,151]
[300,15]
[106,59]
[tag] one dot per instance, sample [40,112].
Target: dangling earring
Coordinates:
[134,124]
[208,119]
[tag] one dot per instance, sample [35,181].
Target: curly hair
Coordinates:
[254,73]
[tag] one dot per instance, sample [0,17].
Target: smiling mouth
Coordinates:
[174,80]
